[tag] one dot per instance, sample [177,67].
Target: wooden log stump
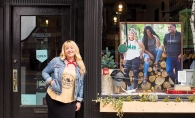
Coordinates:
[141,74]
[154,69]
[107,85]
[150,69]
[171,82]
[164,55]
[151,73]
[164,74]
[166,85]
[159,73]
[163,64]
[159,80]
[140,79]
[161,58]
[147,86]
[161,70]
[158,87]
[152,78]
[151,62]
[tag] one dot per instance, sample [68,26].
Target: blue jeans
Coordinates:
[134,65]
[171,63]
[157,54]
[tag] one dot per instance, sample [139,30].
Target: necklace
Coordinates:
[71,62]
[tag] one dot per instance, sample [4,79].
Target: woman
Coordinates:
[132,57]
[65,86]
[153,49]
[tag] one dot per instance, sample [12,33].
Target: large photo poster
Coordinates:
[151,54]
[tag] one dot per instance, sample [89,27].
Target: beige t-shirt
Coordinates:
[68,86]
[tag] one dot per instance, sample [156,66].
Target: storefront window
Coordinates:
[40,42]
[141,51]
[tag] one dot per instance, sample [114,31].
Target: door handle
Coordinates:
[15,80]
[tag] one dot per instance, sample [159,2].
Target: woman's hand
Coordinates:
[151,56]
[51,82]
[78,106]
[154,36]
[141,57]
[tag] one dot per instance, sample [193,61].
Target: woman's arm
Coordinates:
[143,48]
[46,73]
[157,40]
[151,56]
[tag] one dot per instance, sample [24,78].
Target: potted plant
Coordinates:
[107,62]
[107,65]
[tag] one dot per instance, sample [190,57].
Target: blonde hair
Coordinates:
[77,56]
[135,33]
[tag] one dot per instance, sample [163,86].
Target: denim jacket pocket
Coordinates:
[55,86]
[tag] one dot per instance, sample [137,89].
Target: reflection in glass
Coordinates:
[40,46]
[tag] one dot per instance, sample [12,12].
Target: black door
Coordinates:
[37,36]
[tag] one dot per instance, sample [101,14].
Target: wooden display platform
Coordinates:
[152,107]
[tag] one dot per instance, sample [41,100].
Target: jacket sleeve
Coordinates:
[46,73]
[80,94]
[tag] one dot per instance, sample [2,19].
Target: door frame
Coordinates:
[1,58]
[37,111]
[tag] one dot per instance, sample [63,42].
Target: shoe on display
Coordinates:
[131,91]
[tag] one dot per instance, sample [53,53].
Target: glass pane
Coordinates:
[124,36]
[38,47]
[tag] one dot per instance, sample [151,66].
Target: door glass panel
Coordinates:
[39,44]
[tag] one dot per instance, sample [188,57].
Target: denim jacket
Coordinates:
[54,70]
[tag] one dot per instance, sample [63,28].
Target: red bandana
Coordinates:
[73,62]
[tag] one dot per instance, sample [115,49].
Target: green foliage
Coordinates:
[153,97]
[191,98]
[143,97]
[117,103]
[107,60]
[166,99]
[160,29]
[178,99]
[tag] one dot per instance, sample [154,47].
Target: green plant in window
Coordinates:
[166,99]
[108,60]
[191,98]
[117,103]
[178,99]
[143,97]
[153,97]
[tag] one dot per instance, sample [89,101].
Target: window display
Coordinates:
[150,55]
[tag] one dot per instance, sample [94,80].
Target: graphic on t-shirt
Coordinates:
[132,47]
[68,81]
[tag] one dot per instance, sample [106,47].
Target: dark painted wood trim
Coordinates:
[92,56]
[40,2]
[7,63]
[1,59]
